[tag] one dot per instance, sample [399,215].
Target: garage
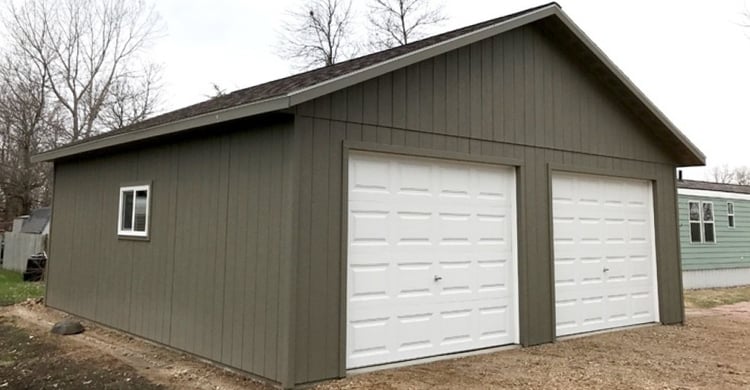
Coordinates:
[604,254]
[429,199]
[431,257]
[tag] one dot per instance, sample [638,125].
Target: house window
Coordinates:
[701,218]
[730,214]
[134,211]
[708,222]
[695,221]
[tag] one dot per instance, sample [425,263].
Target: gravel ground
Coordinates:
[712,351]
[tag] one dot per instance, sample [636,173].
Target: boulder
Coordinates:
[67,327]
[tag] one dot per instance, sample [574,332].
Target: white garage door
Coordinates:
[605,273]
[431,258]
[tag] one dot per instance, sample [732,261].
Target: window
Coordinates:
[701,218]
[708,222]
[695,221]
[730,214]
[134,209]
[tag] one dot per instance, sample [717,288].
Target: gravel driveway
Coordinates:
[712,351]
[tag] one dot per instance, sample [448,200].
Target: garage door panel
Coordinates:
[430,256]
[494,277]
[369,281]
[430,329]
[368,337]
[412,177]
[412,280]
[604,264]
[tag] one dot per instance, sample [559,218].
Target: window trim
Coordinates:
[134,233]
[701,222]
[712,222]
[733,224]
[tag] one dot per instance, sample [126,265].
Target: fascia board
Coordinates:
[255,108]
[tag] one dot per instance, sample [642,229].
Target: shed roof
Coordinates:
[290,91]
[37,221]
[711,186]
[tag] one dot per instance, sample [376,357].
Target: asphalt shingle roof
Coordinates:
[37,221]
[299,81]
[711,186]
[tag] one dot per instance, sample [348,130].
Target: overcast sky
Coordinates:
[691,58]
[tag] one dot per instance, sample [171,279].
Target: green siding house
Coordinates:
[714,234]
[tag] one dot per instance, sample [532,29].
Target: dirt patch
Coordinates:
[98,358]
[35,362]
[712,351]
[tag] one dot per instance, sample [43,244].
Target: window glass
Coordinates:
[127,210]
[695,232]
[708,232]
[708,212]
[141,199]
[730,214]
[695,214]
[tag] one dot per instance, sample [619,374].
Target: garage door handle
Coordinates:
[605,269]
[438,278]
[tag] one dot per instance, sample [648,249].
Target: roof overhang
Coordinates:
[306,94]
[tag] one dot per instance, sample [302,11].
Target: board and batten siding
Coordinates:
[732,246]
[213,278]
[515,96]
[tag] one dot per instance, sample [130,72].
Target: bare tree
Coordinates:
[26,127]
[398,22]
[90,51]
[68,69]
[319,34]
[721,174]
[741,175]
[131,98]
[218,91]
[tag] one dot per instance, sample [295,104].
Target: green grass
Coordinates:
[711,297]
[13,289]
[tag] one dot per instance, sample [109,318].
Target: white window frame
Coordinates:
[701,222]
[131,232]
[704,223]
[734,219]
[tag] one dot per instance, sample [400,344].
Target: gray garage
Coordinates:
[499,184]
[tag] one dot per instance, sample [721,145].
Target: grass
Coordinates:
[711,297]
[13,289]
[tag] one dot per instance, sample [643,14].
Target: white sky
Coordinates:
[690,57]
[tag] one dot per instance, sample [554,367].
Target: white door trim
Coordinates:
[511,234]
[655,268]
[578,199]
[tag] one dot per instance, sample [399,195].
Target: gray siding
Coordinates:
[214,277]
[515,96]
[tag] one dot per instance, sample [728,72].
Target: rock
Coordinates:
[67,327]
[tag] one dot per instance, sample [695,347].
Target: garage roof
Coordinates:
[290,91]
